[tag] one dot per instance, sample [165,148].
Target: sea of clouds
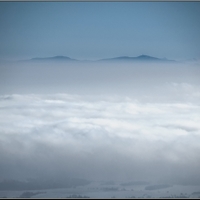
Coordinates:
[103,137]
[99,138]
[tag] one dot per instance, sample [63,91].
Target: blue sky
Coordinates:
[95,30]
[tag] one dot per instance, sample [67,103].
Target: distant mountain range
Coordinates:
[141,58]
[55,58]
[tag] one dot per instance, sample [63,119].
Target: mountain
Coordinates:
[141,58]
[55,58]
[50,59]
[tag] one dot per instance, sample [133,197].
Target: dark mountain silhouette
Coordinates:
[55,58]
[141,58]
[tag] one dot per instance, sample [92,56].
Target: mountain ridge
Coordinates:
[140,58]
[61,58]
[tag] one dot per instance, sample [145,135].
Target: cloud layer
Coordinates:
[102,137]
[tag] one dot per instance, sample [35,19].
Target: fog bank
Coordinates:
[100,122]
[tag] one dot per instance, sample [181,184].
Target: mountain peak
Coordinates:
[61,57]
[146,57]
[141,58]
[54,59]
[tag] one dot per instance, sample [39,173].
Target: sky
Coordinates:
[96,30]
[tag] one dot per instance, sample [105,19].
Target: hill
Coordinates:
[141,58]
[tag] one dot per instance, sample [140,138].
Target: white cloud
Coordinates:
[104,137]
